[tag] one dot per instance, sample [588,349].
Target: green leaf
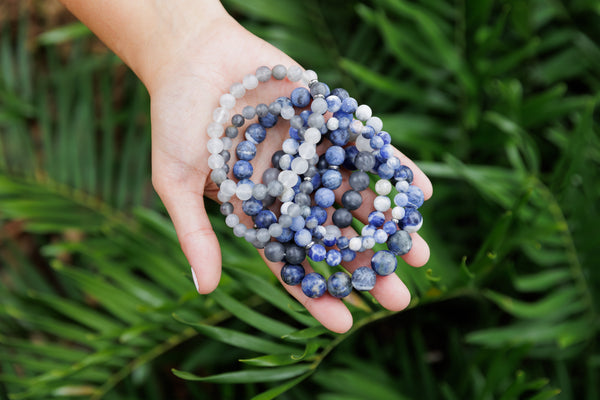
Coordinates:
[62,34]
[249,375]
[273,360]
[276,391]
[541,281]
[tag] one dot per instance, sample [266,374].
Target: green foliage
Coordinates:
[495,100]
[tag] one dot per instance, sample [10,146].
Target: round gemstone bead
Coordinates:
[303,237]
[292,274]
[255,133]
[314,285]
[263,74]
[333,258]
[404,173]
[252,206]
[384,262]
[295,254]
[351,199]
[324,197]
[399,243]
[363,112]
[300,97]
[383,187]
[265,218]
[243,191]
[331,179]
[359,180]
[364,161]
[363,278]
[339,284]
[382,203]
[242,169]
[335,155]
[274,251]
[415,196]
[376,218]
[348,255]
[317,252]
[349,105]
[294,73]
[279,72]
[342,218]
[412,220]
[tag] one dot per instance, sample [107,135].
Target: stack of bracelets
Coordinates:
[304,182]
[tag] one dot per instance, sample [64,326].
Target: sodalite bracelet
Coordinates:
[304,182]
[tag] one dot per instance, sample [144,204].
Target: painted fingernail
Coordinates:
[194,278]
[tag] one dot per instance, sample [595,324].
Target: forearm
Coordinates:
[147,34]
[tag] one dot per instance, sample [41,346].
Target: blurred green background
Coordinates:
[495,100]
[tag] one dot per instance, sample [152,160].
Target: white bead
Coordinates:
[262,235]
[368,242]
[287,112]
[237,90]
[227,143]
[285,162]
[363,144]
[320,230]
[363,112]
[333,123]
[375,123]
[232,220]
[312,135]
[333,230]
[287,195]
[288,178]
[250,82]
[299,165]
[290,146]
[244,191]
[222,197]
[393,162]
[293,210]
[285,206]
[383,187]
[216,161]
[275,230]
[382,203]
[215,130]
[402,186]
[355,243]
[398,212]
[220,115]
[214,146]
[227,101]
[294,73]
[228,187]
[318,105]
[314,160]
[356,126]
[309,75]
[307,150]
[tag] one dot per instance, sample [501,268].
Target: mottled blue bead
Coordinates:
[344,119]
[311,222]
[342,242]
[335,155]
[292,274]
[334,257]
[284,101]
[376,218]
[339,137]
[318,232]
[324,197]
[286,235]
[255,133]
[385,171]
[245,150]
[246,181]
[339,284]
[329,241]
[376,142]
[265,218]
[412,220]
[333,103]
[404,173]
[316,181]
[252,206]
[268,121]
[294,134]
[341,93]
[387,138]
[401,199]
[384,262]
[314,285]
[415,196]
[390,227]
[297,223]
[332,179]
[368,230]
[399,243]
[317,252]
[380,236]
[302,237]
[300,97]
[242,169]
[392,161]
[320,213]
[368,132]
[349,105]
[348,255]
[364,278]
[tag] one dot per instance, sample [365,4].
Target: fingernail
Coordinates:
[195,279]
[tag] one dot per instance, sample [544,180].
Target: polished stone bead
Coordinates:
[237,120]
[342,242]
[331,179]
[380,236]
[319,89]
[265,218]
[315,120]
[286,235]
[242,169]
[320,213]
[384,262]
[324,197]
[342,218]
[248,112]
[300,97]
[349,105]
[359,180]
[415,196]
[279,72]
[412,220]
[339,284]
[268,121]
[295,254]
[335,155]
[274,251]
[404,173]
[333,258]
[262,110]
[292,274]
[401,200]
[339,137]
[252,206]
[303,237]
[334,103]
[263,74]
[364,278]
[231,132]
[351,200]
[364,161]
[348,255]
[314,285]
[399,243]
[385,171]
[341,93]
[376,142]
[226,208]
[275,108]
[259,191]
[376,218]
[317,252]
[297,223]
[255,133]
[390,227]
[245,150]
[218,175]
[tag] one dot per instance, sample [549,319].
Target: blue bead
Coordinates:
[384,262]
[314,285]
[368,230]
[344,119]
[297,223]
[332,179]
[349,105]
[376,142]
[339,137]
[268,121]
[412,220]
[387,138]
[376,218]
[334,257]
[311,222]
[302,237]
[292,274]
[387,153]
[304,115]
[364,278]
[329,241]
[368,132]
[393,162]
[319,213]
[286,235]
[399,243]
[317,252]
[351,152]
[300,97]
[318,233]
[335,155]
[390,227]
[246,182]
[339,284]
[255,133]
[294,134]
[348,255]
[404,173]
[333,103]
[252,206]
[265,218]
[401,200]
[342,242]
[385,171]
[341,93]
[316,181]
[242,169]
[245,150]
[380,236]
[415,196]
[284,101]
[324,197]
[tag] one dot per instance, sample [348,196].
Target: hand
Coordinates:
[184,94]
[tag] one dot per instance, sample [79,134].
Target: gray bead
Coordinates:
[262,110]
[239,230]
[318,89]
[226,155]
[226,168]
[364,161]
[263,74]
[295,254]
[306,187]
[342,218]
[231,132]
[316,120]
[248,112]
[275,188]
[399,243]
[285,221]
[302,199]
[237,120]
[250,235]
[275,108]
[258,244]
[226,208]
[259,191]
[262,235]
[279,72]
[351,200]
[218,176]
[274,251]
[312,171]
[270,175]
[359,180]
[268,201]
[305,211]
[296,122]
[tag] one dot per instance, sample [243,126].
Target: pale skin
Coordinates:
[188,53]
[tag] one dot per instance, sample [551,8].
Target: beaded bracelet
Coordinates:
[369,154]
